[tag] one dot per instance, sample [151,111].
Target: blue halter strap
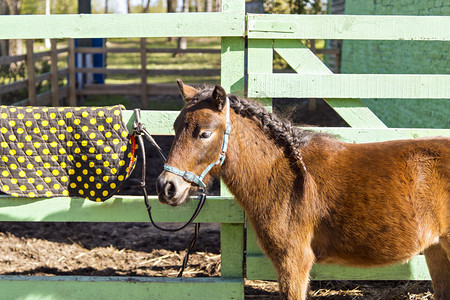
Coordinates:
[198,180]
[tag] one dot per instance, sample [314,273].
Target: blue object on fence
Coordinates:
[99,60]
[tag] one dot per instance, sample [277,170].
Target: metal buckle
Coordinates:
[189,176]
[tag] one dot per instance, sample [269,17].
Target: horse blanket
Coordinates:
[64,151]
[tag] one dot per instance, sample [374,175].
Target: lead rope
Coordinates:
[139,130]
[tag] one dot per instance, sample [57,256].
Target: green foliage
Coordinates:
[34,7]
[16,72]
[12,73]
[293,6]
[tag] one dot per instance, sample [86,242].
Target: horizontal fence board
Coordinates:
[357,27]
[6,60]
[151,72]
[129,89]
[11,87]
[122,25]
[99,287]
[157,122]
[47,76]
[45,98]
[40,55]
[349,86]
[147,50]
[370,135]
[116,209]
[261,268]
[161,123]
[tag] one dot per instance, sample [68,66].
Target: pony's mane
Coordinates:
[279,129]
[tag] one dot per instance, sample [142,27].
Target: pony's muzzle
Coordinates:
[172,189]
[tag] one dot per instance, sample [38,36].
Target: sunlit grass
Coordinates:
[163,61]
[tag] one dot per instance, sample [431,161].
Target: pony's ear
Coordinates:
[219,97]
[187,92]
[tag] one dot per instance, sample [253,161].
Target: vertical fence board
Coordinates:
[260,60]
[143,73]
[54,72]
[72,83]
[233,80]
[31,73]
[232,250]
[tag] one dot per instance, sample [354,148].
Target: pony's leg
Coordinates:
[438,261]
[293,273]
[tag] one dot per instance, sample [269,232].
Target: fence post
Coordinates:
[144,90]
[72,83]
[232,80]
[54,72]
[31,74]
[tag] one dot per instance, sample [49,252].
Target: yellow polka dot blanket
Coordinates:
[64,151]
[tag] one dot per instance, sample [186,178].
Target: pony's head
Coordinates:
[197,150]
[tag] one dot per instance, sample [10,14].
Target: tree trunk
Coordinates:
[182,43]
[147,6]
[106,6]
[3,43]
[208,5]
[47,13]
[128,6]
[12,7]
[218,5]
[171,8]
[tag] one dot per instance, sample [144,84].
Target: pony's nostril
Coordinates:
[170,190]
[159,185]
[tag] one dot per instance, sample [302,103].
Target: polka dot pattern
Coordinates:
[64,151]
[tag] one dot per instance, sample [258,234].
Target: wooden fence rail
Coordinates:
[56,94]
[144,89]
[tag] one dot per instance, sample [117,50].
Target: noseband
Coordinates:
[198,180]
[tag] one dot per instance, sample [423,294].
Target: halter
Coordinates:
[198,180]
[140,130]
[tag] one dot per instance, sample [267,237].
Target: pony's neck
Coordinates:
[256,169]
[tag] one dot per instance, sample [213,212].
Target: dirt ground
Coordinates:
[138,249]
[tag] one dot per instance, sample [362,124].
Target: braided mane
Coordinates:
[279,129]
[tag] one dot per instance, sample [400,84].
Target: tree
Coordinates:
[146,6]
[293,6]
[182,42]
[208,5]
[128,6]
[10,47]
[171,6]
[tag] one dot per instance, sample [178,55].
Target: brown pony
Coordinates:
[314,199]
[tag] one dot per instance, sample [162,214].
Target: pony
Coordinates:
[310,197]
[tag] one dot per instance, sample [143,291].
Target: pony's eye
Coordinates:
[205,134]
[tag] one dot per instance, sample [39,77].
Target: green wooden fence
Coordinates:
[266,34]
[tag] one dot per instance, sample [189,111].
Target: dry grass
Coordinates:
[348,290]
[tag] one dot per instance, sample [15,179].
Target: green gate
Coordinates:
[266,34]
